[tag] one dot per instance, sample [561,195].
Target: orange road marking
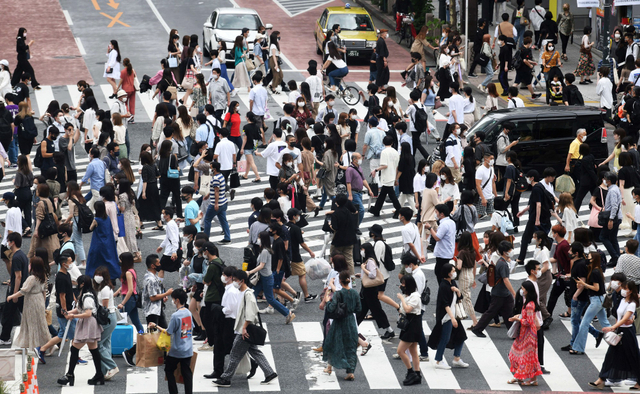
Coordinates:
[95,4]
[115,19]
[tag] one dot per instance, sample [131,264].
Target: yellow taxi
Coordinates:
[358,34]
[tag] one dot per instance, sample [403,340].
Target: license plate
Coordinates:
[353,53]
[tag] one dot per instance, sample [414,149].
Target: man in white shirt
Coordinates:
[225,154]
[315,86]
[401,131]
[536,16]
[272,153]
[414,105]
[503,146]
[205,132]
[486,186]
[388,168]
[445,238]
[258,98]
[219,93]
[514,101]
[230,302]
[331,100]
[410,235]
[632,46]
[456,107]
[170,261]
[293,151]
[604,90]
[453,148]
[634,75]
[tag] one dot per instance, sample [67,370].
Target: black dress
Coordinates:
[413,331]
[149,209]
[407,168]
[622,361]
[382,78]
[23,64]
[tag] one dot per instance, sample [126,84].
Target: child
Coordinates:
[283,200]
[556,88]
[636,214]
[569,215]
[373,69]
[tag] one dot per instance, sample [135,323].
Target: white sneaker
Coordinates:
[442,365]
[296,301]
[268,310]
[205,347]
[111,373]
[5,343]
[424,358]
[49,352]
[396,356]
[460,364]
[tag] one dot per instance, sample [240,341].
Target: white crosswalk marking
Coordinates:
[437,379]
[309,335]
[82,373]
[43,97]
[376,365]
[204,366]
[254,382]
[561,378]
[142,380]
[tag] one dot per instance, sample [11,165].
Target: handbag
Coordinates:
[494,61]
[188,81]
[460,313]
[377,281]
[612,338]
[341,310]
[437,103]
[234,179]
[173,173]
[514,331]
[173,61]
[603,218]
[250,65]
[48,225]
[136,84]
[257,334]
[594,214]
[205,182]
[403,321]
[607,303]
[254,278]
[322,173]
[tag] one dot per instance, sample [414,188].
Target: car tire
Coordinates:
[205,50]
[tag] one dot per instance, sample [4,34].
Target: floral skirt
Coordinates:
[585,66]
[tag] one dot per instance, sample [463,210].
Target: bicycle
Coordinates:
[406,29]
[349,94]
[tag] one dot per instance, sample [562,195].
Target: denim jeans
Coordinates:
[104,346]
[445,335]
[13,151]
[76,239]
[424,348]
[594,309]
[637,238]
[132,311]
[610,240]
[221,214]
[357,202]
[577,307]
[323,200]
[337,73]
[520,30]
[266,285]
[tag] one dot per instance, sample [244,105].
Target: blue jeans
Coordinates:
[266,285]
[594,309]
[13,151]
[489,70]
[337,73]
[322,201]
[357,202]
[520,30]
[132,311]
[62,324]
[221,214]
[104,346]
[424,348]
[76,239]
[445,335]
[577,307]
[637,238]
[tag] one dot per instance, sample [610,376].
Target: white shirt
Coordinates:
[379,249]
[171,240]
[483,174]
[339,63]
[389,157]
[107,294]
[5,83]
[450,190]
[271,153]
[419,181]
[421,281]
[497,32]
[469,106]
[225,151]
[293,96]
[295,153]
[603,89]
[453,151]
[410,235]
[411,111]
[537,18]
[633,75]
[315,86]
[548,186]
[259,97]
[231,301]
[456,103]
[518,102]
[13,222]
[632,50]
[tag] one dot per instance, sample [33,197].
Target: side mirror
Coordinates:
[208,25]
[268,26]
[324,31]
[377,31]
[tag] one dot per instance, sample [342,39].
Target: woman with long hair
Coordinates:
[492,98]
[340,66]
[302,111]
[569,217]
[88,332]
[24,117]
[405,174]
[542,254]
[148,204]
[523,355]
[169,185]
[250,138]
[618,135]
[369,295]
[186,124]
[103,250]
[624,70]
[189,79]
[33,327]
[449,191]
[112,66]
[628,179]
[23,182]
[623,360]
[241,74]
[420,43]
[129,290]
[44,206]
[444,74]
[104,289]
[174,51]
[232,122]
[23,66]
[126,203]
[466,265]
[328,184]
[305,92]
[75,197]
[165,83]
[274,61]
[199,97]
[585,67]
[126,169]
[127,77]
[411,308]
[488,68]
[469,106]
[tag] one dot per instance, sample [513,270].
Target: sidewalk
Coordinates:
[573,53]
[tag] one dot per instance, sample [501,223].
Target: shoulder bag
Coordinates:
[173,173]
[377,281]
[257,333]
[341,309]
[48,225]
[514,331]
[612,338]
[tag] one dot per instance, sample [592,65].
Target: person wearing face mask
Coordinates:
[104,288]
[505,57]
[230,303]
[23,65]
[629,262]
[328,109]
[543,276]
[486,186]
[444,237]
[525,364]
[111,160]
[534,272]
[382,78]
[112,66]
[170,246]
[369,295]
[577,291]
[612,204]
[618,135]
[448,331]
[355,183]
[574,150]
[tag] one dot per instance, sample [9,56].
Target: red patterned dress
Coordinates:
[524,351]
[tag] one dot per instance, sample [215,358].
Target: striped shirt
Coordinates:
[218,181]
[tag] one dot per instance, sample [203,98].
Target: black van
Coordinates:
[545,133]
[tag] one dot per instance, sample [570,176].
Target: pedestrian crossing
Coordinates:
[145,104]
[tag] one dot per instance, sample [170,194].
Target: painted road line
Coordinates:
[67,17]
[376,366]
[437,379]
[254,382]
[107,91]
[80,46]
[308,332]
[204,366]
[142,380]
[308,336]
[82,372]
[43,97]
[75,96]
[490,362]
[560,378]
[148,104]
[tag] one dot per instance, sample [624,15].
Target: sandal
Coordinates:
[514,381]
[529,383]
[245,177]
[366,350]
[495,325]
[158,228]
[576,352]
[350,377]
[368,317]
[257,180]
[565,315]
[328,370]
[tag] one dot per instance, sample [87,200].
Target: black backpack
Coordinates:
[144,84]
[389,265]
[420,119]
[6,131]
[516,60]
[37,161]
[28,129]
[102,314]
[521,183]
[85,216]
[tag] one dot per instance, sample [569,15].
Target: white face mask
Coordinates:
[300,103]
[330,103]
[583,138]
[360,162]
[236,285]
[454,275]
[391,104]
[443,177]
[551,48]
[615,285]
[215,77]
[521,293]
[617,35]
[538,274]
[98,279]
[624,293]
[223,279]
[408,270]
[604,183]
[491,162]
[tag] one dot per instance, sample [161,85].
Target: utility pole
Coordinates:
[604,37]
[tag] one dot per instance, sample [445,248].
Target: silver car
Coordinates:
[225,24]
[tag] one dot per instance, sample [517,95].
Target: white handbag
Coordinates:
[612,338]
[173,61]
[205,181]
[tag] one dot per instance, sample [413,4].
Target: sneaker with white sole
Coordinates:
[111,373]
[296,301]
[424,358]
[5,343]
[442,365]
[460,364]
[268,310]
[205,347]
[396,356]
[290,318]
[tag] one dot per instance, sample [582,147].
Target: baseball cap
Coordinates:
[293,212]
[209,247]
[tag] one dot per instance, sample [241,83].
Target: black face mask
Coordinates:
[402,288]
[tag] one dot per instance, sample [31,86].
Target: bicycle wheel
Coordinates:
[351,95]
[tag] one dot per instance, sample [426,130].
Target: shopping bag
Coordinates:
[234,180]
[7,365]
[178,372]
[565,184]
[245,365]
[317,268]
[164,341]
[242,165]
[147,353]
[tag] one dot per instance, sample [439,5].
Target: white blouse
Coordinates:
[413,301]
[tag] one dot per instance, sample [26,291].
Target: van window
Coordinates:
[555,128]
[523,130]
[486,124]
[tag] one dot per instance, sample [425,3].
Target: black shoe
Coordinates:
[544,371]
[358,232]
[612,264]
[566,348]
[254,368]
[412,379]
[583,83]
[128,359]
[225,241]
[374,213]
[316,212]
[599,339]
[547,323]
[181,101]
[473,75]
[112,96]
[201,337]
[96,380]
[396,215]
[535,96]
[504,94]
[310,298]
[67,379]
[213,375]
[479,334]
[222,383]
[232,194]
[388,335]
[269,378]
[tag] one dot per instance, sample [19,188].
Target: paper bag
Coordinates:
[245,365]
[178,372]
[147,353]
[7,364]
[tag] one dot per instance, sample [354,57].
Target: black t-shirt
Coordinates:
[579,270]
[353,125]
[511,173]
[19,263]
[596,277]
[251,131]
[317,142]
[538,196]
[22,92]
[296,239]
[64,286]
[505,55]
[629,175]
[372,64]
[170,107]
[601,195]
[279,253]
[525,54]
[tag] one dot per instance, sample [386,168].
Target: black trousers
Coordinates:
[273,182]
[417,145]
[514,201]
[370,302]
[476,53]
[72,175]
[25,145]
[440,262]
[565,41]
[541,346]
[558,287]
[170,365]
[585,187]
[528,235]
[214,324]
[24,197]
[502,306]
[171,186]
[384,192]
[22,67]
[11,312]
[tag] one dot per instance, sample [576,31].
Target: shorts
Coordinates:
[524,76]
[168,265]
[62,323]
[373,75]
[259,119]
[277,279]
[297,269]
[248,152]
[383,286]
[6,252]
[197,295]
